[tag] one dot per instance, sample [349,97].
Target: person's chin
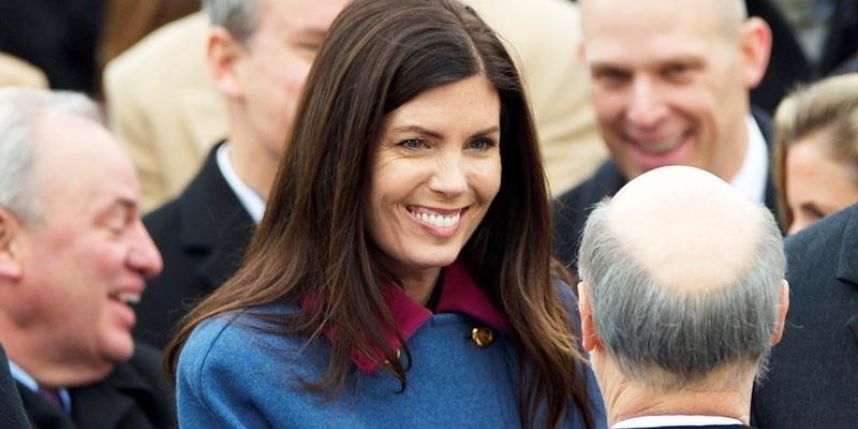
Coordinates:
[119,347]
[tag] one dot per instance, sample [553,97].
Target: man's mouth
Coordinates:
[660,146]
[128,298]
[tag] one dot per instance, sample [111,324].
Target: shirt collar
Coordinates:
[677,420]
[27,380]
[249,199]
[459,293]
[750,180]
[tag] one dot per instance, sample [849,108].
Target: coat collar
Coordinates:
[460,293]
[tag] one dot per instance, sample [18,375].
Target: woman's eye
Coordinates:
[412,143]
[481,143]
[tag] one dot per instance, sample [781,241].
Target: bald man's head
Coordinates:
[729,14]
[683,278]
[672,222]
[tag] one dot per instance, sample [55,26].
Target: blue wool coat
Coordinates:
[231,373]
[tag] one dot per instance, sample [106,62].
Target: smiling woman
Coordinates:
[402,269]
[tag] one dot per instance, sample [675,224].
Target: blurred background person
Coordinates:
[169,121]
[259,53]
[816,151]
[74,256]
[402,269]
[670,85]
[679,328]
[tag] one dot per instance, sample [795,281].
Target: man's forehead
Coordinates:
[301,16]
[649,18]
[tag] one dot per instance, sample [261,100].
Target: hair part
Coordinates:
[239,17]
[667,340]
[21,113]
[828,110]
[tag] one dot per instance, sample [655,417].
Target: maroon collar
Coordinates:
[459,293]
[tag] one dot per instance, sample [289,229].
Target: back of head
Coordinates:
[684,279]
[20,113]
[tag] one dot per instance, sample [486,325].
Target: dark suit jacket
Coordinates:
[12,414]
[572,208]
[202,236]
[133,396]
[788,65]
[813,377]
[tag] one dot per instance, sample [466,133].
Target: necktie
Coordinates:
[52,396]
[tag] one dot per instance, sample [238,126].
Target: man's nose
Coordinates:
[646,107]
[144,255]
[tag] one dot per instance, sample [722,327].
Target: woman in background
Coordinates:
[401,274]
[816,151]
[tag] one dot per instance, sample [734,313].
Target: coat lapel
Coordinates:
[42,414]
[214,225]
[123,399]
[847,266]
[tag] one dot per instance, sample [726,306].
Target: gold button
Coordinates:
[398,356]
[482,336]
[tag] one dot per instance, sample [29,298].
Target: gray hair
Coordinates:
[239,17]
[669,341]
[20,112]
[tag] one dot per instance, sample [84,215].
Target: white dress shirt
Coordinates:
[677,420]
[249,199]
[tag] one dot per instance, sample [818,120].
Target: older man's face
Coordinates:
[87,259]
[668,84]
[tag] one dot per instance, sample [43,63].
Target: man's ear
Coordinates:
[10,237]
[756,49]
[783,307]
[589,337]
[223,53]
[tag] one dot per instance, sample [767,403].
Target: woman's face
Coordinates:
[435,172]
[817,185]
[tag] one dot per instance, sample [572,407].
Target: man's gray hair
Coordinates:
[20,112]
[239,17]
[667,340]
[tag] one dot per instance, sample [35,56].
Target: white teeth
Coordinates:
[438,220]
[128,297]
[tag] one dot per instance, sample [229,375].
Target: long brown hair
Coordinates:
[380,54]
